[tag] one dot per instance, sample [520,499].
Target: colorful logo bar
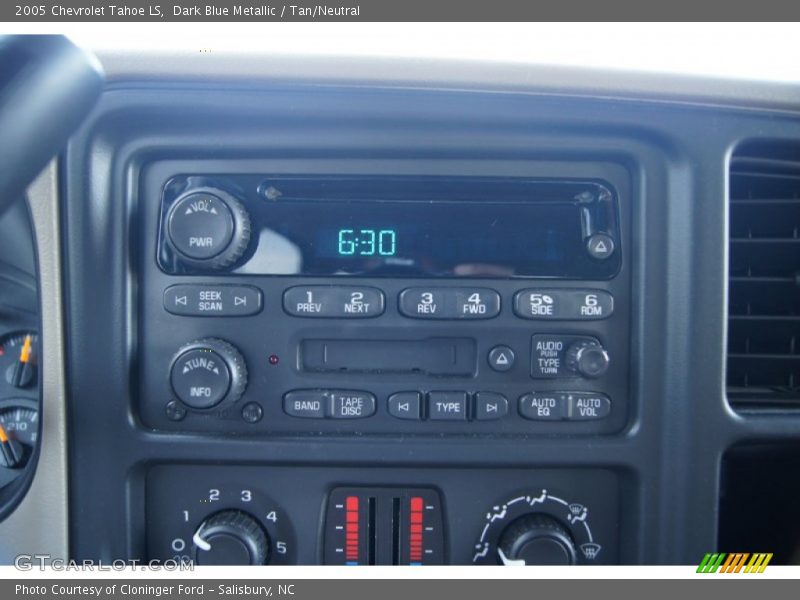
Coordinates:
[735,562]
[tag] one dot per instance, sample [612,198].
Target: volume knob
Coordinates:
[208,228]
[207,372]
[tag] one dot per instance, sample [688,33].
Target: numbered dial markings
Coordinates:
[187,541]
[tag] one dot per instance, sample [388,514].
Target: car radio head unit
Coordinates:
[427,227]
[290,302]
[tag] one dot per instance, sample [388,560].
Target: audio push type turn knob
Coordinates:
[588,358]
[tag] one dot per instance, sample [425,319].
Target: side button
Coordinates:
[490,406]
[405,405]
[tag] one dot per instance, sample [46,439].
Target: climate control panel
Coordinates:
[263,515]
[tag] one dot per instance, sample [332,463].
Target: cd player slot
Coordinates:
[455,357]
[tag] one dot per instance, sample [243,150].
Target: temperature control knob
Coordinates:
[588,358]
[536,539]
[208,228]
[207,372]
[231,537]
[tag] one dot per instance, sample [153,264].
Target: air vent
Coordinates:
[764,280]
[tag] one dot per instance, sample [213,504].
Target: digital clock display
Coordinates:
[367,242]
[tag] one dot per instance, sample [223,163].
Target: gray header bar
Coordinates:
[395,10]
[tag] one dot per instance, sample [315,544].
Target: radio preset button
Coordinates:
[449,303]
[563,304]
[352,405]
[333,302]
[490,406]
[198,300]
[447,406]
[310,404]
[543,406]
[405,405]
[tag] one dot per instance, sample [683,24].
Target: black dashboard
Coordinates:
[340,324]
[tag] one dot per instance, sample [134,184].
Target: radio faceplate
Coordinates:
[224,349]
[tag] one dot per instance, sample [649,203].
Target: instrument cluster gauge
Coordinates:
[19,406]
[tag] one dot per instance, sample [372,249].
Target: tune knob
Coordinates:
[588,358]
[536,539]
[208,228]
[231,537]
[207,372]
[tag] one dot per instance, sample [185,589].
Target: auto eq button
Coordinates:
[543,406]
